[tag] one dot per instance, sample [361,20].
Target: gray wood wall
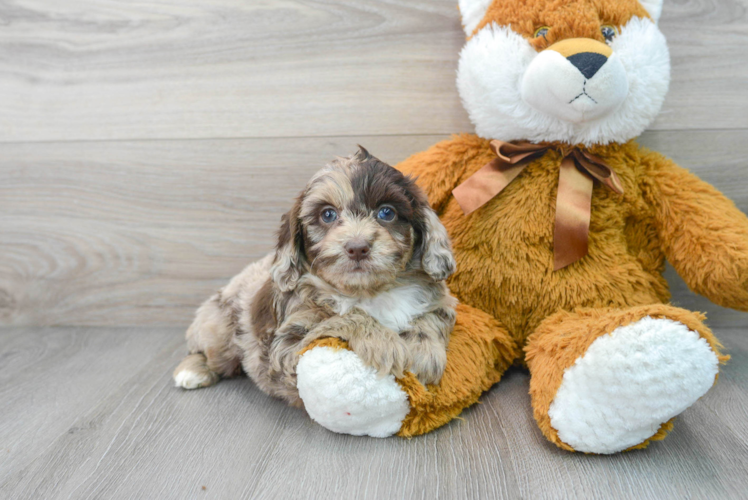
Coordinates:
[147,149]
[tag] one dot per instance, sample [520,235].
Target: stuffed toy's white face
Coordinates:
[580,72]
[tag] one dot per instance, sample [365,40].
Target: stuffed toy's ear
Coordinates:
[289,252]
[472,12]
[437,259]
[654,7]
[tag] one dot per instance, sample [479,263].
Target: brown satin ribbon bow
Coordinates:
[573,201]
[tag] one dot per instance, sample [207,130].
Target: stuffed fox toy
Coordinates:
[561,224]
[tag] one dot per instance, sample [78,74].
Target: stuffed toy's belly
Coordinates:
[504,253]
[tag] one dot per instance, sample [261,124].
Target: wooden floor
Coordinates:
[147,151]
[92,413]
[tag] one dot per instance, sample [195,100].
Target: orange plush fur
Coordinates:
[506,268]
[569,18]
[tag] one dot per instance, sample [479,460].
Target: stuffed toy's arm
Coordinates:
[439,169]
[703,234]
[344,395]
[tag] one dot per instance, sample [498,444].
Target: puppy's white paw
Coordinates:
[188,379]
[344,395]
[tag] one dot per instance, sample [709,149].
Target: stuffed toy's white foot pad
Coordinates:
[630,382]
[343,395]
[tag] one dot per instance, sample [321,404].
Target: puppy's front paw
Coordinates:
[386,355]
[428,364]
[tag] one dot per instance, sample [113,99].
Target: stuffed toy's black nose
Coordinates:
[588,63]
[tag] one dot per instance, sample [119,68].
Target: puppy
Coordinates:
[361,256]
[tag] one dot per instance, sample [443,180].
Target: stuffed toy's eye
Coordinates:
[329,215]
[542,31]
[386,214]
[609,32]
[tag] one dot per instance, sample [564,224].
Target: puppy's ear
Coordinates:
[436,257]
[289,262]
[362,154]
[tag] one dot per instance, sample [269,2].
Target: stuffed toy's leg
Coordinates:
[343,395]
[608,380]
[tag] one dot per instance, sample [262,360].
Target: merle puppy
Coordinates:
[361,256]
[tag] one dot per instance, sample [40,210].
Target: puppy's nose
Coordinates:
[588,63]
[357,249]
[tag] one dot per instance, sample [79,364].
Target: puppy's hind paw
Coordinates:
[193,373]
[187,379]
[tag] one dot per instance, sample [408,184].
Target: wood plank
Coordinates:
[49,376]
[102,70]
[143,438]
[139,233]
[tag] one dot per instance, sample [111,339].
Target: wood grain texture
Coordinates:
[123,431]
[114,69]
[91,229]
[140,233]
[48,377]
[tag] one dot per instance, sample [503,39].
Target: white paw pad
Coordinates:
[628,383]
[189,379]
[343,395]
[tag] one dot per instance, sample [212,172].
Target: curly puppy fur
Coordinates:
[362,257]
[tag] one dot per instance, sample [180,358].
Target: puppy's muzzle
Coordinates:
[357,250]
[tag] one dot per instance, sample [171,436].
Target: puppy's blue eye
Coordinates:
[386,214]
[329,215]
